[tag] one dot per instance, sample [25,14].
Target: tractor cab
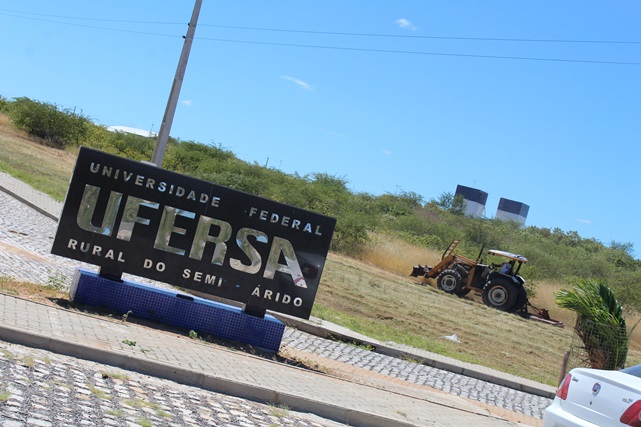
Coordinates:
[505,289]
[508,268]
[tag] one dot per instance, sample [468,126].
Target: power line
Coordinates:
[406,36]
[336,33]
[408,52]
[353,49]
[93,26]
[88,19]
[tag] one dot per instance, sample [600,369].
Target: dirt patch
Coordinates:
[33,292]
[21,252]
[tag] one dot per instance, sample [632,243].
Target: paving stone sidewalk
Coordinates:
[24,247]
[191,362]
[41,388]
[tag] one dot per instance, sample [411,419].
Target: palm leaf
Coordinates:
[600,322]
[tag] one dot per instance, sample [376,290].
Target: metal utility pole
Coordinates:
[170,110]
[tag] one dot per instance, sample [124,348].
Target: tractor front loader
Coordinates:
[455,274]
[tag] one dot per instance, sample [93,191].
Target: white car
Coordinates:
[597,398]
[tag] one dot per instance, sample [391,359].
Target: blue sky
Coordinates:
[530,101]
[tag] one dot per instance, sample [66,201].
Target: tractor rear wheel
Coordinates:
[521,301]
[501,294]
[450,281]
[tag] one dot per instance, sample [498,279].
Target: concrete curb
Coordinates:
[31,204]
[426,358]
[199,379]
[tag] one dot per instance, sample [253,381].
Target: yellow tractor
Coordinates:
[500,285]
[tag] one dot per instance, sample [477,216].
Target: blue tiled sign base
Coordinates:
[204,316]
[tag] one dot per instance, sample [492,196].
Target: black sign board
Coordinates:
[127,216]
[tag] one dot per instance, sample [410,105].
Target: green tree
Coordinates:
[627,248]
[445,200]
[453,203]
[458,205]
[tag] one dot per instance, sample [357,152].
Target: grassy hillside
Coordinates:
[370,291]
[44,168]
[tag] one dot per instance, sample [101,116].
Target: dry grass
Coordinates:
[34,292]
[396,307]
[393,307]
[374,296]
[544,298]
[634,355]
[384,253]
[5,123]
[44,168]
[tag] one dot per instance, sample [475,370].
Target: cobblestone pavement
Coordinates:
[25,242]
[26,237]
[457,384]
[40,388]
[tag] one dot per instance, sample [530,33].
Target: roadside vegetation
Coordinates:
[378,239]
[600,324]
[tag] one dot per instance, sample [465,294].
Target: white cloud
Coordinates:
[387,152]
[334,133]
[299,82]
[187,102]
[405,23]
[585,221]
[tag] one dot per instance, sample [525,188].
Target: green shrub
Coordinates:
[553,254]
[58,128]
[4,104]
